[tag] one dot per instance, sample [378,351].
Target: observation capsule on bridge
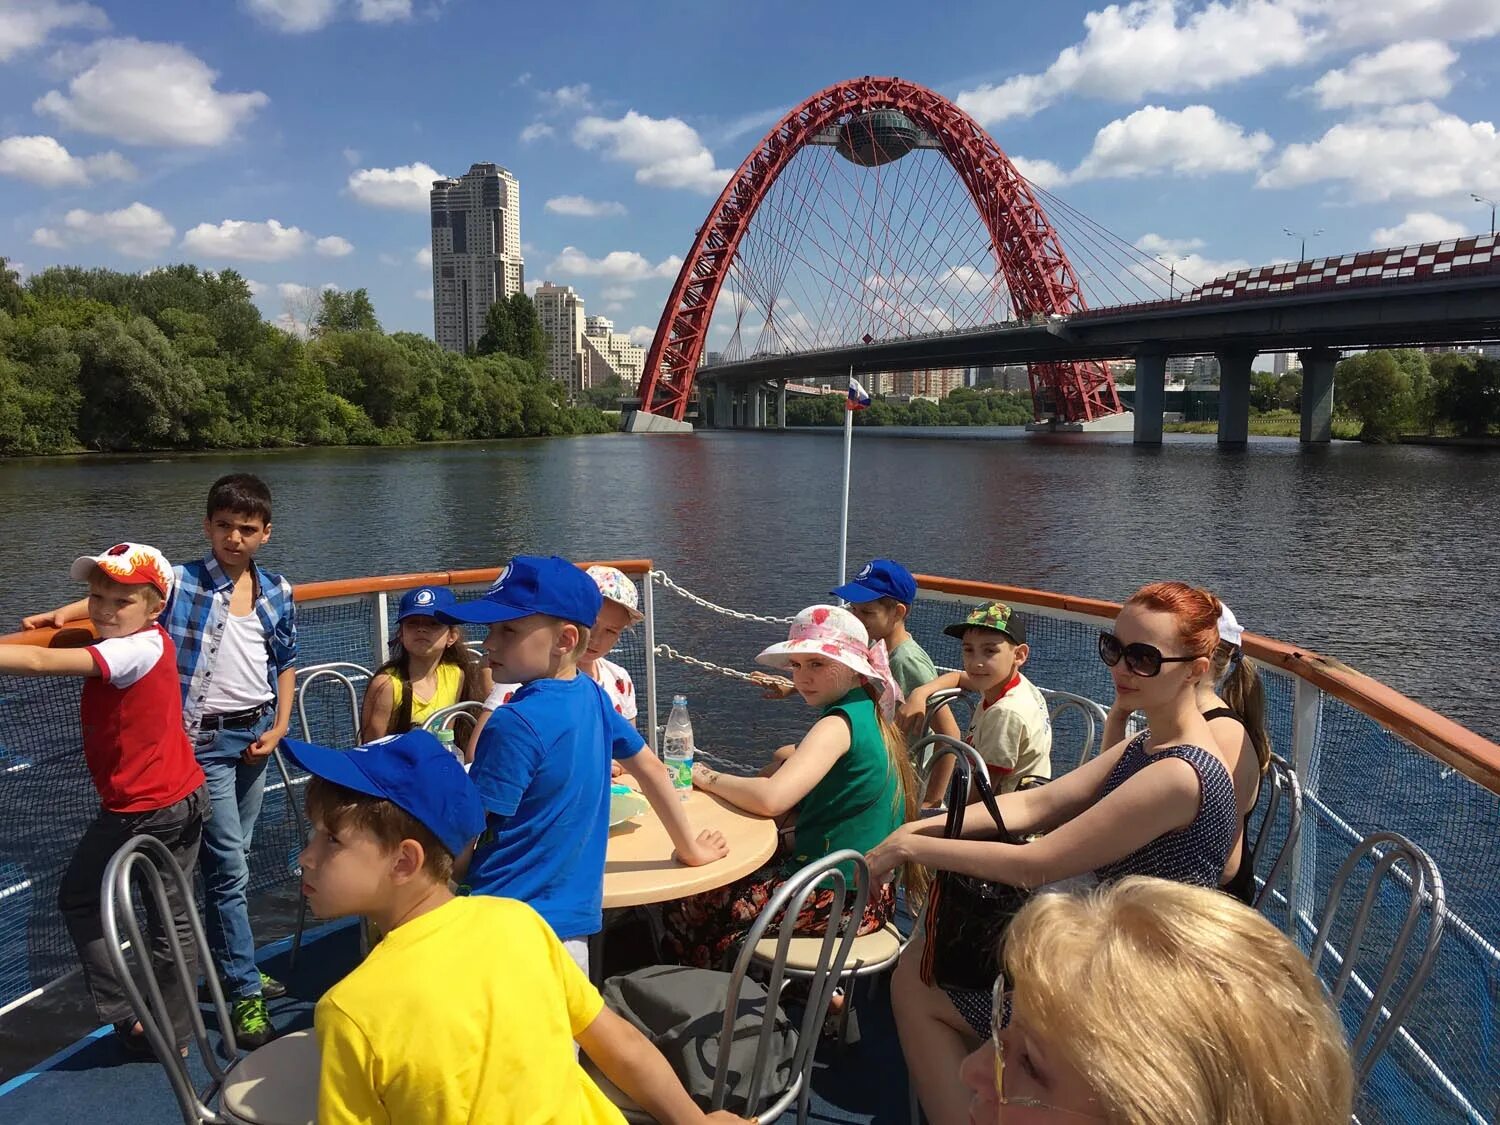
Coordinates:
[877,137]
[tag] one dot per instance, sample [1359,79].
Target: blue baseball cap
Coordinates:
[533,584]
[413,772]
[425,601]
[881,578]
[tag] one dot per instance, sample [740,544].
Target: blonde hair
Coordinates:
[914,876]
[1179,1006]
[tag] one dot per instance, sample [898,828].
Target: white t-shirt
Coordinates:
[126,659]
[615,681]
[1014,735]
[238,681]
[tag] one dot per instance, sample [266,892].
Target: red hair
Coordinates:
[1196,611]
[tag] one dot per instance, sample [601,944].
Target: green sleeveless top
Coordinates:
[858,802]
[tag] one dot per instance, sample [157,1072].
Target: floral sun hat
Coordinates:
[615,586]
[827,631]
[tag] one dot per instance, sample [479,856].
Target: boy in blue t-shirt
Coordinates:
[542,763]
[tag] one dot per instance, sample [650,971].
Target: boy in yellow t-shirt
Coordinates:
[469,1008]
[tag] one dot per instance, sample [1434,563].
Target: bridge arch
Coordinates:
[1027,251]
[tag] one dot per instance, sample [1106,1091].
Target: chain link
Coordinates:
[667,583]
[671,653]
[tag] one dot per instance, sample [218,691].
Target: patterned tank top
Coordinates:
[1196,853]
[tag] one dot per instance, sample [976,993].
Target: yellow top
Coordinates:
[450,690]
[464,1014]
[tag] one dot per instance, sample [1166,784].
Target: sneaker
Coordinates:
[251,1022]
[271,988]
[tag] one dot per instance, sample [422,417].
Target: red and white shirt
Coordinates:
[133,741]
[615,681]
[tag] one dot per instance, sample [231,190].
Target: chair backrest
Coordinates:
[445,718]
[1091,713]
[1284,793]
[1422,886]
[146,861]
[340,672]
[940,742]
[844,916]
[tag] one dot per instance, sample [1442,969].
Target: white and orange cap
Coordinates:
[134,564]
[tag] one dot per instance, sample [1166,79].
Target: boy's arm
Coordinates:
[57,618]
[657,788]
[346,1090]
[629,1060]
[914,711]
[32,660]
[286,694]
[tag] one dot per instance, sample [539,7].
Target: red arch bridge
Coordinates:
[877,227]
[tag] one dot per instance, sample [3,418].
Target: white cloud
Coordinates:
[1153,46]
[137,231]
[569,99]
[423,257]
[614,307]
[294,16]
[405,188]
[149,94]
[1193,141]
[257,288]
[247,241]
[334,247]
[1353,22]
[642,335]
[1043,173]
[351,157]
[1192,267]
[1418,226]
[383,11]
[43,160]
[582,207]
[291,291]
[666,152]
[25,24]
[1402,72]
[1405,152]
[617,293]
[617,265]
[535,132]
[423,294]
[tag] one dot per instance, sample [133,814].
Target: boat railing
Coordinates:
[1368,759]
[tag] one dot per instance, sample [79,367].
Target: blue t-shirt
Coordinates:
[542,770]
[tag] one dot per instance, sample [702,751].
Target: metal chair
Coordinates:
[1284,789]
[827,968]
[275,1085]
[445,718]
[1093,713]
[1423,886]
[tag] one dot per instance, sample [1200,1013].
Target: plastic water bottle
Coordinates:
[677,747]
[445,736]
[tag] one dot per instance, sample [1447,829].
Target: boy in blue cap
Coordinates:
[881,596]
[468,1008]
[542,763]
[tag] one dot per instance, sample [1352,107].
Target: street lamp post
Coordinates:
[1481,199]
[1303,237]
[1172,274]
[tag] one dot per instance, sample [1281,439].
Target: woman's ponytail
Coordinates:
[1243,692]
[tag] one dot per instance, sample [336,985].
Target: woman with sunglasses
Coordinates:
[1227,1025]
[1161,804]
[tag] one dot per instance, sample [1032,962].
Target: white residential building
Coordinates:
[476,251]
[560,310]
[618,353]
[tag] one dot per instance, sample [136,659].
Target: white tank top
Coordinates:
[238,680]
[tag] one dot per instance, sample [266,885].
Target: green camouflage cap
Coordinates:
[992,615]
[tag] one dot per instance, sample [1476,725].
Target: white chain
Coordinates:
[707,665]
[667,583]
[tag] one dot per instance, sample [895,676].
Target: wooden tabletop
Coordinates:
[639,868]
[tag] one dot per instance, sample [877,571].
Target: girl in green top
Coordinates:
[847,784]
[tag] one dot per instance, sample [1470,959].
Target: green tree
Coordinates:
[529,342]
[1289,390]
[1375,389]
[136,389]
[1262,391]
[1470,398]
[12,296]
[345,312]
[1431,409]
[499,336]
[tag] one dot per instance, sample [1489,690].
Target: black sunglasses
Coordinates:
[1140,659]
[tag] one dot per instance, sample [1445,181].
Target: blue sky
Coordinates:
[290,139]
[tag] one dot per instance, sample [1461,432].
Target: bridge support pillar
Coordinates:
[1150,386]
[1234,397]
[1317,394]
[781,404]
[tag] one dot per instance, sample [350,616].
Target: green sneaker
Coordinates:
[271,988]
[251,1022]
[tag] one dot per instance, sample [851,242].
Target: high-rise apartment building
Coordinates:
[476,251]
[933,382]
[613,352]
[560,310]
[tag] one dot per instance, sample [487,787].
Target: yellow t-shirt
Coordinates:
[464,1014]
[450,690]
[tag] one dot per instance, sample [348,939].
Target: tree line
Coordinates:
[1391,392]
[180,358]
[964,406]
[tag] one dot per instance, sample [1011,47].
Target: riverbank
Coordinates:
[1279,424]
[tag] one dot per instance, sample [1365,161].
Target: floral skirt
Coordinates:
[701,930]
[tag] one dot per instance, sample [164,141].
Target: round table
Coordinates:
[639,868]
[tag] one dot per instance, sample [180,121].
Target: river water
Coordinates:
[1385,557]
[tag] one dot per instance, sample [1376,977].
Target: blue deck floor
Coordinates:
[91,1081]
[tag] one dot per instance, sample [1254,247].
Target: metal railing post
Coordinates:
[650,627]
[380,630]
[1306,723]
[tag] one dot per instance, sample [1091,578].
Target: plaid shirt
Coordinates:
[195,616]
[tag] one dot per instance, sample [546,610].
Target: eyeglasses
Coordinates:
[1000,1009]
[1140,659]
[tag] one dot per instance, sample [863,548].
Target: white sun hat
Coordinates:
[827,631]
[615,586]
[1230,631]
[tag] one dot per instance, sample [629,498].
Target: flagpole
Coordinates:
[844,512]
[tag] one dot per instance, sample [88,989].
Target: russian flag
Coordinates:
[859,398]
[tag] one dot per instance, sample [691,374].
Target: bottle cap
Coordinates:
[676,699]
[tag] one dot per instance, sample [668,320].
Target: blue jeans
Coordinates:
[235,789]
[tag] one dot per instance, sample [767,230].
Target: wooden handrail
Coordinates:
[1453,744]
